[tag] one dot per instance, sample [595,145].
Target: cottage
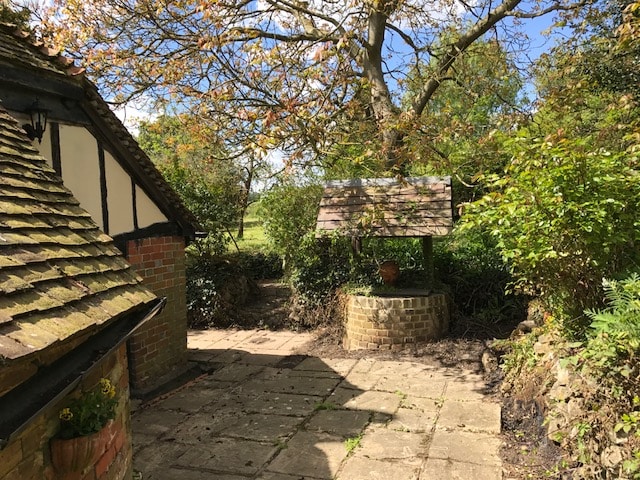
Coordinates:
[68,301]
[86,145]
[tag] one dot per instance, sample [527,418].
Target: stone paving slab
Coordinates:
[229,456]
[359,468]
[308,454]
[470,416]
[436,469]
[267,411]
[344,423]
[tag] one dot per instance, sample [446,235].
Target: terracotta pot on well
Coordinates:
[73,455]
[389,271]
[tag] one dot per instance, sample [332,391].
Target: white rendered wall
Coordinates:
[119,197]
[148,212]
[80,169]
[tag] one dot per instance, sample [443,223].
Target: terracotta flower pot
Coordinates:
[389,271]
[74,455]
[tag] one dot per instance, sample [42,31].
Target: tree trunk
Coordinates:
[244,201]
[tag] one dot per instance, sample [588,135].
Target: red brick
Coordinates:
[105,461]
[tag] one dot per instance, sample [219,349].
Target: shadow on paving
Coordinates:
[295,417]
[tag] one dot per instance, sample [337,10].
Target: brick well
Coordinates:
[390,323]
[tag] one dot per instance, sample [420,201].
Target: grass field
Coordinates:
[254,236]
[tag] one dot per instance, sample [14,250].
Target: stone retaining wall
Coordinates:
[392,322]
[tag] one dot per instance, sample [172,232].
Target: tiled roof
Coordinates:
[37,56]
[387,207]
[17,48]
[59,274]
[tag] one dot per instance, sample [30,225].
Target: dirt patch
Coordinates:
[526,451]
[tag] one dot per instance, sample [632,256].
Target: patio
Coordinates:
[265,410]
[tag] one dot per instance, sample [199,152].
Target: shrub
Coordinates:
[601,435]
[259,265]
[470,266]
[289,212]
[564,216]
[216,287]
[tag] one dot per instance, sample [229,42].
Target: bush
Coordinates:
[564,216]
[470,266]
[216,287]
[259,265]
[289,212]
[602,438]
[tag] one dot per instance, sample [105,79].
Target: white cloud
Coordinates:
[133,113]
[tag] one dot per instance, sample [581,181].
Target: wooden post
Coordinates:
[427,257]
[356,246]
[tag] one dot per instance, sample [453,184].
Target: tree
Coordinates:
[277,73]
[465,114]
[564,210]
[14,14]
[209,187]
[198,150]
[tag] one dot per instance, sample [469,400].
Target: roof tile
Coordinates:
[59,274]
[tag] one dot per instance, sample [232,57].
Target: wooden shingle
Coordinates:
[60,276]
[384,207]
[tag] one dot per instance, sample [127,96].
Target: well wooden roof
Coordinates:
[60,276]
[387,207]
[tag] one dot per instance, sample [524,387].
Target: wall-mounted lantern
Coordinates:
[38,124]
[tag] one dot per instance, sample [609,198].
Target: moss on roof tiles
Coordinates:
[15,222]
[14,208]
[10,193]
[15,238]
[25,53]
[29,301]
[11,282]
[45,222]
[101,310]
[16,180]
[62,236]
[29,334]
[105,281]
[139,293]
[9,261]
[10,348]
[38,273]
[42,253]
[96,237]
[75,223]
[86,266]
[59,274]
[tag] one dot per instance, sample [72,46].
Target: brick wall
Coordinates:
[28,456]
[392,322]
[158,351]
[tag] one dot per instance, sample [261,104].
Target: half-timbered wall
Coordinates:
[97,180]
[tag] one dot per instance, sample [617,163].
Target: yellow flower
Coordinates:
[65,414]
[106,386]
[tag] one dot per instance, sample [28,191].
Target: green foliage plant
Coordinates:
[564,216]
[289,212]
[90,412]
[213,202]
[352,443]
[607,367]
[324,406]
